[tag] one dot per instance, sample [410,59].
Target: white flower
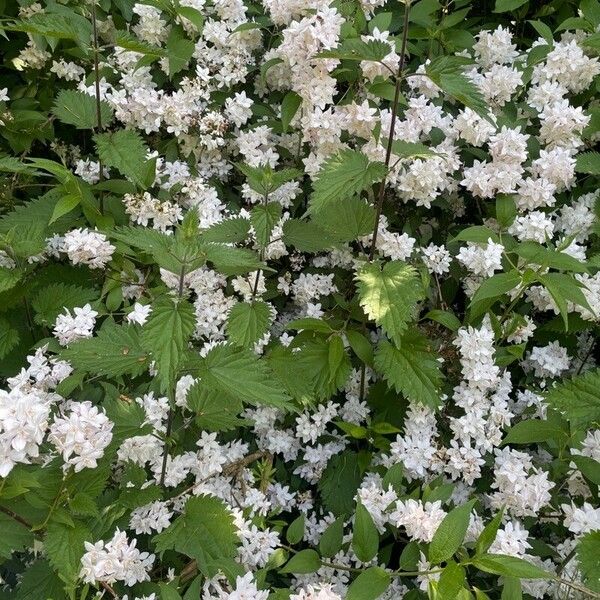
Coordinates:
[139,314]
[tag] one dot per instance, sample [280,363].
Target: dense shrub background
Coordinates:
[299,299]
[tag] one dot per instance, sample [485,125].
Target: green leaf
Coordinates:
[488,535]
[506,5]
[168,592]
[564,288]
[64,547]
[9,337]
[506,210]
[451,582]
[411,149]
[179,50]
[509,566]
[393,477]
[15,536]
[205,531]
[588,162]
[369,585]
[577,398]
[264,217]
[389,296]
[193,15]
[348,220]
[361,346]
[365,537]
[511,590]
[411,369]
[450,534]
[51,301]
[588,558]
[307,236]
[215,410]
[166,335]
[343,175]
[328,377]
[226,367]
[124,39]
[306,561]
[589,468]
[444,317]
[264,180]
[40,581]
[539,255]
[492,289]
[332,539]
[289,107]
[233,261]
[339,483]
[454,83]
[79,109]
[125,151]
[115,351]
[247,322]
[229,231]
[356,49]
[295,531]
[535,430]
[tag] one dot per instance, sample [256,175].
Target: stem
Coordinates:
[388,151]
[98,100]
[15,516]
[388,156]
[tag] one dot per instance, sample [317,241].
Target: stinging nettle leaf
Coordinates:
[247,322]
[389,296]
[80,109]
[344,175]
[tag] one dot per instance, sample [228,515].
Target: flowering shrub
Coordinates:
[299,300]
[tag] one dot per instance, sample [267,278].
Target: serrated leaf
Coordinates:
[53,299]
[411,369]
[588,558]
[588,162]
[450,533]
[115,351]
[205,531]
[356,49]
[343,175]
[264,217]
[365,537]
[15,536]
[577,398]
[179,50]
[229,231]
[39,581]
[125,151]
[233,261]
[64,547]
[307,236]
[215,410]
[225,367]
[166,334]
[80,109]
[389,296]
[348,220]
[247,322]
[9,337]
